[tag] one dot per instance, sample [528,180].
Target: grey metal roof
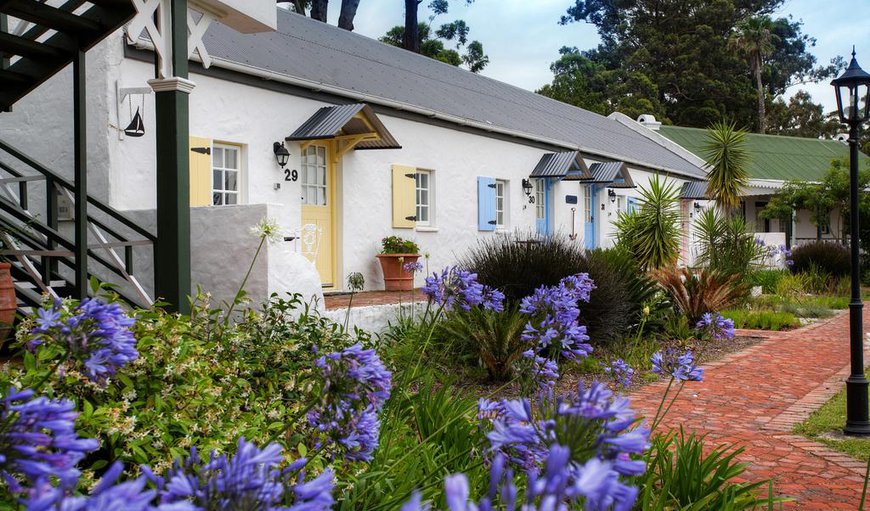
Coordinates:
[694,190]
[331,121]
[560,164]
[319,56]
[613,173]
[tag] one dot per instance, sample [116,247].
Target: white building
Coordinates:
[382,142]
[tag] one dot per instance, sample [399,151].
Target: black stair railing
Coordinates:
[31,230]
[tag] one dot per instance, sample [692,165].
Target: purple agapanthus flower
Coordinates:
[679,367]
[716,326]
[621,372]
[355,386]
[556,313]
[412,267]
[456,287]
[38,440]
[250,479]
[96,334]
[545,371]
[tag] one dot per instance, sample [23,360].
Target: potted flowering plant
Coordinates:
[395,254]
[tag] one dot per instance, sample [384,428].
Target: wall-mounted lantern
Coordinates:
[697,207]
[527,188]
[612,194]
[281,154]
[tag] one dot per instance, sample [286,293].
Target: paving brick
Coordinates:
[754,398]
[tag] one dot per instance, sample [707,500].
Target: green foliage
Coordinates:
[397,245]
[651,233]
[494,337]
[762,319]
[768,279]
[726,246]
[518,268]
[677,327]
[683,474]
[800,117]
[726,154]
[681,49]
[821,257]
[696,292]
[196,382]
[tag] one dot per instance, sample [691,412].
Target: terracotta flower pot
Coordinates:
[395,276]
[8,305]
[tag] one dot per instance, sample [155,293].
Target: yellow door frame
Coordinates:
[332,205]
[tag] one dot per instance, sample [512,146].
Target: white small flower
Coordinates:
[268,228]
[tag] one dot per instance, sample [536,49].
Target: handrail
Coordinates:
[68,185]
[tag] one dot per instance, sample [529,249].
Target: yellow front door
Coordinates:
[318,211]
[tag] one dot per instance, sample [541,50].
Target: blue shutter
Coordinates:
[632,204]
[486,204]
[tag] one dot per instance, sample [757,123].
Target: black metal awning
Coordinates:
[694,190]
[561,165]
[356,124]
[614,174]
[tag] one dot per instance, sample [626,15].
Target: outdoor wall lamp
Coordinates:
[281,153]
[697,207]
[612,194]
[527,188]
[854,84]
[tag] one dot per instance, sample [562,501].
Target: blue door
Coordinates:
[543,192]
[589,208]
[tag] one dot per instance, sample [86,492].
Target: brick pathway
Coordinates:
[753,398]
[340,301]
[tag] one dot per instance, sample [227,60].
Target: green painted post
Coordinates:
[172,253]
[80,155]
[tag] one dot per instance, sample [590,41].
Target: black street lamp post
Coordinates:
[853,105]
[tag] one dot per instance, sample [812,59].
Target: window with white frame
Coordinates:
[500,203]
[226,174]
[423,185]
[540,207]
[620,203]
[314,176]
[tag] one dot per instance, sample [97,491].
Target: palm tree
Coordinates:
[754,39]
[726,155]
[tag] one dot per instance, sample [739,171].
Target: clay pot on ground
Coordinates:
[395,276]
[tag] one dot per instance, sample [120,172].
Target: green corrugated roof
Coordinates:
[774,156]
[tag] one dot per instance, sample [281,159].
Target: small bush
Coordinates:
[828,257]
[762,320]
[397,245]
[792,286]
[696,292]
[767,279]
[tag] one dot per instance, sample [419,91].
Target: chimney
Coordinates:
[842,137]
[649,121]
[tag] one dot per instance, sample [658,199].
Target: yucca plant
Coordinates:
[725,152]
[726,246]
[652,232]
[681,476]
[695,292]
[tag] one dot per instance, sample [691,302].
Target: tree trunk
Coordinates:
[348,12]
[299,7]
[762,116]
[318,10]
[411,37]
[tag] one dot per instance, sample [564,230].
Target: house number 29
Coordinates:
[291,175]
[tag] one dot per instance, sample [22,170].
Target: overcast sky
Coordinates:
[523,37]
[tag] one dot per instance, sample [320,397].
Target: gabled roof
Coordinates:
[696,190]
[613,173]
[347,120]
[560,165]
[773,157]
[320,57]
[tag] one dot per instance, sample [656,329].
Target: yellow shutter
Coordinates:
[200,173]
[404,198]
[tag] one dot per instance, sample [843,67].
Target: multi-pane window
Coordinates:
[225,163]
[587,204]
[423,185]
[540,207]
[620,203]
[314,176]
[500,203]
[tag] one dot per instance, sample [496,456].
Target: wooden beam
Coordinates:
[52,17]
[17,45]
[344,146]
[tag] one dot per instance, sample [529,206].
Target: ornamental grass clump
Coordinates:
[95,334]
[715,326]
[354,388]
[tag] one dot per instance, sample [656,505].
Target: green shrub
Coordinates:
[494,337]
[767,279]
[828,257]
[697,292]
[517,267]
[676,327]
[651,233]
[726,246]
[397,245]
[762,319]
[792,286]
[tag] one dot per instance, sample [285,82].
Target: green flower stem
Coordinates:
[245,280]
[864,491]
[662,403]
[660,419]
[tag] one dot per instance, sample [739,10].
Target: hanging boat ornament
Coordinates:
[136,128]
